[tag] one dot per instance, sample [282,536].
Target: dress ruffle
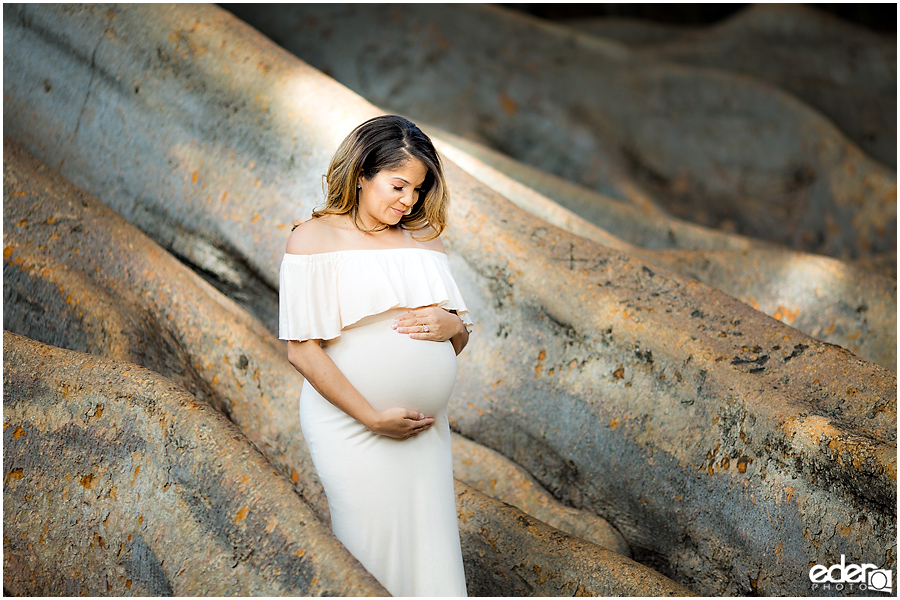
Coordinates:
[321,294]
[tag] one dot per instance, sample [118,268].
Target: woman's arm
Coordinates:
[460,340]
[319,370]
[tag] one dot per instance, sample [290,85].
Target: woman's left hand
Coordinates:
[429,323]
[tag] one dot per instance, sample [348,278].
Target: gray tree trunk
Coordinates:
[730,450]
[847,72]
[118,482]
[713,147]
[79,276]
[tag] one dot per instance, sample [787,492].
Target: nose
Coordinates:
[408,200]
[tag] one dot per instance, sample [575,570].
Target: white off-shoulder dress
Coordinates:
[392,501]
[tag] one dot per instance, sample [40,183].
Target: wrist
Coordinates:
[371,419]
[461,326]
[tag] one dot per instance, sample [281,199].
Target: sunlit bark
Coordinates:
[847,72]
[710,146]
[117,482]
[828,299]
[726,447]
[76,274]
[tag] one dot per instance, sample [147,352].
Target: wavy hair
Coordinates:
[386,142]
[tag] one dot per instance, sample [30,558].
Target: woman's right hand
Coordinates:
[399,423]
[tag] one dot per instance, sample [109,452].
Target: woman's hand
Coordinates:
[399,423]
[431,323]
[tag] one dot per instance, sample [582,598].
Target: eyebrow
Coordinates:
[405,181]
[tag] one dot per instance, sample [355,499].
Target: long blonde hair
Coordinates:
[386,142]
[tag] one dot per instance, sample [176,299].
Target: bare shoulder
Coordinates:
[312,237]
[436,244]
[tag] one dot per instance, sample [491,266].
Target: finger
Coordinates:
[410,329]
[418,330]
[412,320]
[412,317]
[406,323]
[419,430]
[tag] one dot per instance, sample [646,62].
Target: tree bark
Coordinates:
[213,349]
[826,298]
[847,72]
[710,146]
[730,450]
[117,482]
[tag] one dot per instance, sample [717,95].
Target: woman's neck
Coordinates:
[371,225]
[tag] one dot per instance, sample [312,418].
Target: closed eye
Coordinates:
[399,189]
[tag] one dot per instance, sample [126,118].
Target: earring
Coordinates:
[408,212]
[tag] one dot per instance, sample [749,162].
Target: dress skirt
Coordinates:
[392,501]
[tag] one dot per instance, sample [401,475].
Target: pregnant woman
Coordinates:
[374,321]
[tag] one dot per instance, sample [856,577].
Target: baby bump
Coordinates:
[392,370]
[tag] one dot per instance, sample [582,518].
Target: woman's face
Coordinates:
[387,196]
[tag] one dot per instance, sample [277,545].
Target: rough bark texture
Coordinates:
[825,298]
[78,276]
[210,347]
[711,146]
[117,482]
[639,221]
[502,546]
[730,450]
[847,72]
[605,365]
[496,476]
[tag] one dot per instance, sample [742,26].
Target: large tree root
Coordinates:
[210,347]
[78,276]
[517,555]
[825,298]
[117,482]
[495,475]
[847,72]
[729,450]
[638,222]
[686,395]
[711,146]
